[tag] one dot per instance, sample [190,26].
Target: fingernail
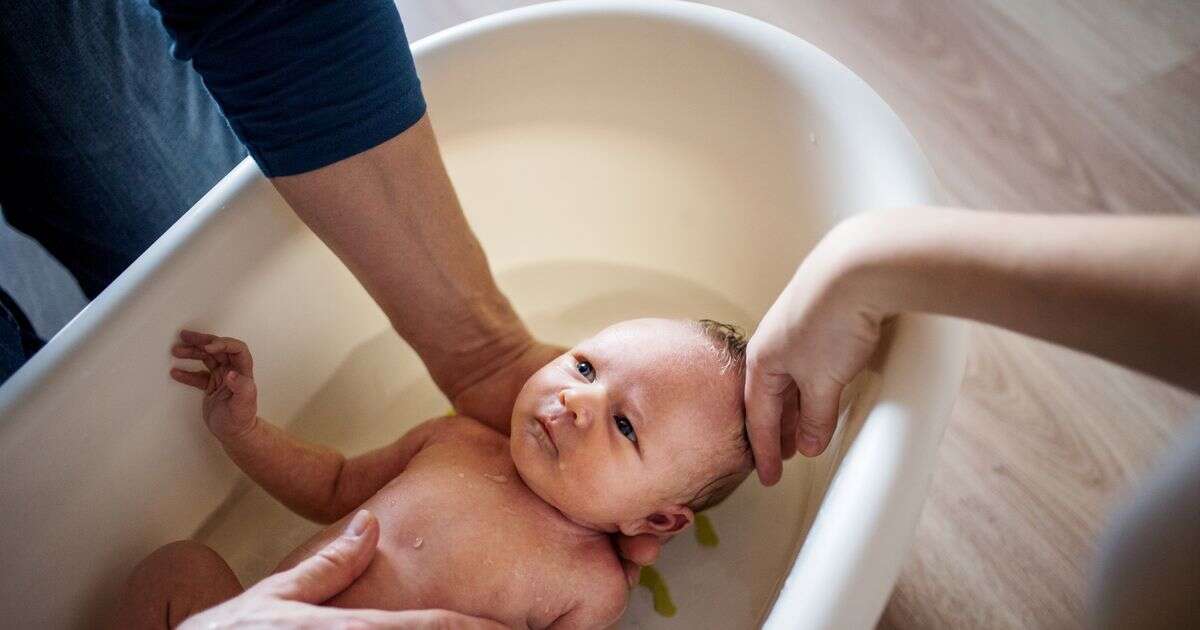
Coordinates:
[358,524]
[809,442]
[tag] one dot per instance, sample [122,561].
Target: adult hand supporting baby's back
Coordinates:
[291,599]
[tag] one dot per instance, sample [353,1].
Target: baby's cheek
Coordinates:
[619,487]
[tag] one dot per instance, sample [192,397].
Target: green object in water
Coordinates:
[705,534]
[652,579]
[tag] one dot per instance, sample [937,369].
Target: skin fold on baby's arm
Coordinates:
[313,481]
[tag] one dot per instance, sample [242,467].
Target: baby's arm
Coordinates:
[602,605]
[314,481]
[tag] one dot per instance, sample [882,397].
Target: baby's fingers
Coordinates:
[194,338]
[199,380]
[235,350]
[184,351]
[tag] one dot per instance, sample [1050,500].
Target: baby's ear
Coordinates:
[665,521]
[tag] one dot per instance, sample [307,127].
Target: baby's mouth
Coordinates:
[544,435]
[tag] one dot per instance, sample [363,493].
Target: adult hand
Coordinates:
[490,399]
[818,335]
[637,552]
[289,599]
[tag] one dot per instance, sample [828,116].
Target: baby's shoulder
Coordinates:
[460,426]
[602,588]
[603,600]
[462,431]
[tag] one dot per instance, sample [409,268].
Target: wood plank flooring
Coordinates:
[1025,105]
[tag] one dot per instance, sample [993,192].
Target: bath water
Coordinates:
[381,390]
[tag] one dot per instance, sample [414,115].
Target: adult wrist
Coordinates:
[872,259]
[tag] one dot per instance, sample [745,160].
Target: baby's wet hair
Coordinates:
[730,342]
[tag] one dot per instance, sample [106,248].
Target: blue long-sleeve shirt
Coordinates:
[303,83]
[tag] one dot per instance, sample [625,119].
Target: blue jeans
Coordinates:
[107,140]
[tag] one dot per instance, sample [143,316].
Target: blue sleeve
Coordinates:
[303,83]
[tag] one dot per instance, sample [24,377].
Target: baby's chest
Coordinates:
[459,534]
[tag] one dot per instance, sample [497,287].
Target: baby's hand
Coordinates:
[230,397]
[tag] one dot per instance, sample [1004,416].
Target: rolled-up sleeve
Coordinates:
[303,83]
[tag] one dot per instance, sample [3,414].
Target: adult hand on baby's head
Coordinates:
[289,599]
[812,342]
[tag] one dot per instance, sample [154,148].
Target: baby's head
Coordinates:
[638,427]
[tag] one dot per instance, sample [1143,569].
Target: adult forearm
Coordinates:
[1119,287]
[392,216]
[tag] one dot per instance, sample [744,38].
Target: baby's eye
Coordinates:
[586,370]
[625,427]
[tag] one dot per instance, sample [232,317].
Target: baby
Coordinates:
[633,431]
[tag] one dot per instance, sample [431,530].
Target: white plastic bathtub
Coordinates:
[616,159]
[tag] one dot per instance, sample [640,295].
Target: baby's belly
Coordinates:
[451,546]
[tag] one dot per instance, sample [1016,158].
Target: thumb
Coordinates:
[332,569]
[241,385]
[642,549]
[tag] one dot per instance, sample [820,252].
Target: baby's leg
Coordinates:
[173,583]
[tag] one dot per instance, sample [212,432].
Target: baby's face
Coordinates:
[626,421]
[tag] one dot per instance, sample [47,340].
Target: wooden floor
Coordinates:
[1021,105]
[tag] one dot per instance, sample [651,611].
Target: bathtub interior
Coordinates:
[615,160]
[758,533]
[673,172]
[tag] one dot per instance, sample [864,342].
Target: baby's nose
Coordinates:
[587,403]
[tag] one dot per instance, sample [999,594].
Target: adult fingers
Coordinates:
[818,417]
[788,422]
[333,568]
[642,549]
[420,620]
[199,380]
[764,408]
[632,570]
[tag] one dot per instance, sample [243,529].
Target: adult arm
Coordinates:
[391,214]
[326,98]
[1125,288]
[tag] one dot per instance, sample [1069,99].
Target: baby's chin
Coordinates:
[529,474]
